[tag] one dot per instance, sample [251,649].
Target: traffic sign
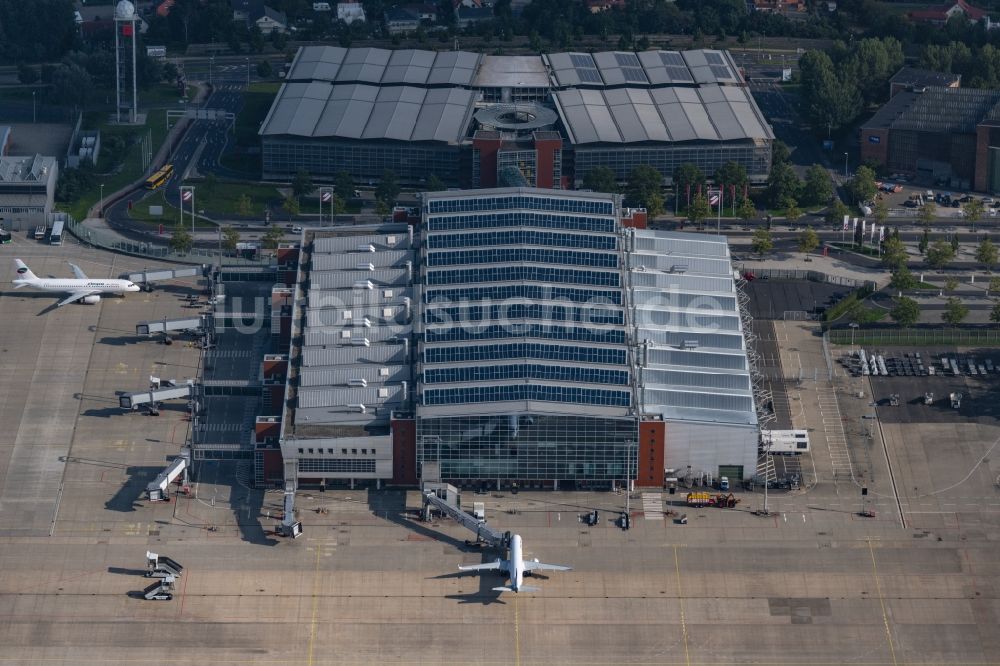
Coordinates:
[186,195]
[714,200]
[325,196]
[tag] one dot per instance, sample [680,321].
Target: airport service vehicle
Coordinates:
[83,289]
[516,568]
[785,442]
[40,232]
[55,236]
[708,499]
[479,510]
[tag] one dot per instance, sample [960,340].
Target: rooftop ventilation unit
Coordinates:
[360,342]
[366,248]
[357,407]
[364,284]
[357,382]
[369,266]
[679,268]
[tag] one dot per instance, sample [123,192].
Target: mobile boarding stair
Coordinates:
[161,590]
[161,566]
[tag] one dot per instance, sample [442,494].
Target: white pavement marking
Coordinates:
[652,506]
[833,429]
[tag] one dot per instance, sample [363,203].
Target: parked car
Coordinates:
[955,203]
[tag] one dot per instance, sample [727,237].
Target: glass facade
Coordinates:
[569,362]
[364,160]
[530,447]
[666,157]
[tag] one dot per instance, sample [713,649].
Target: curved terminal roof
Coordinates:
[615,68]
[381,66]
[630,115]
[354,111]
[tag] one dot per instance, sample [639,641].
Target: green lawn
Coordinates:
[979,337]
[130,170]
[223,198]
[256,103]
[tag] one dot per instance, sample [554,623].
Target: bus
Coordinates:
[40,231]
[55,236]
[160,177]
[5,237]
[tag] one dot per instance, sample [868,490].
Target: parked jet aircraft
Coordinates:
[83,289]
[516,568]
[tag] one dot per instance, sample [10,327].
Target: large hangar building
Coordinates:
[542,337]
[470,118]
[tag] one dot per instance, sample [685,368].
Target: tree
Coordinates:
[746,211]
[995,313]
[687,180]
[291,206]
[954,242]
[986,254]
[881,211]
[600,179]
[274,235]
[302,183]
[644,184]
[381,208]
[388,188]
[808,240]
[927,213]
[699,209]
[954,311]
[951,284]
[994,286]
[230,237]
[244,206]
[71,85]
[732,175]
[828,99]
[181,241]
[939,254]
[973,212]
[925,240]
[835,214]
[906,312]
[792,210]
[893,253]
[818,187]
[862,186]
[782,184]
[264,69]
[343,185]
[761,242]
[902,279]
[435,184]
[780,153]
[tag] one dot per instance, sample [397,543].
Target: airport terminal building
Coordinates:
[542,337]
[478,121]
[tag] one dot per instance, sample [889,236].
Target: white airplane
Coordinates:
[83,289]
[516,568]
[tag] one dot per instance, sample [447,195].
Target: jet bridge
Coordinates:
[157,394]
[445,498]
[147,276]
[158,488]
[289,526]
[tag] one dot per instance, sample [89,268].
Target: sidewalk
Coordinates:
[829,265]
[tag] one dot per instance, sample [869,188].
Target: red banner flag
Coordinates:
[127,29]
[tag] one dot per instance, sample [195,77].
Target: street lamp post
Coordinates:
[102,200]
[248,73]
[211,62]
[34,114]
[854,327]
[845,164]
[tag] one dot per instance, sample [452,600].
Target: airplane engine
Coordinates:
[91,300]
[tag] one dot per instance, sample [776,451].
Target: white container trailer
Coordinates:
[785,442]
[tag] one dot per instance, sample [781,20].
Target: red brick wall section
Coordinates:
[875,145]
[634,218]
[288,256]
[276,394]
[488,149]
[275,369]
[404,452]
[265,430]
[273,465]
[545,150]
[651,439]
[982,158]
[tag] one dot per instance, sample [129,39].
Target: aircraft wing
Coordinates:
[75,296]
[77,272]
[482,567]
[531,565]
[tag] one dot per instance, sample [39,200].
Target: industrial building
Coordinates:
[938,135]
[518,335]
[472,119]
[27,190]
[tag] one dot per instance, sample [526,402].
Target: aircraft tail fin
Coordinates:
[23,272]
